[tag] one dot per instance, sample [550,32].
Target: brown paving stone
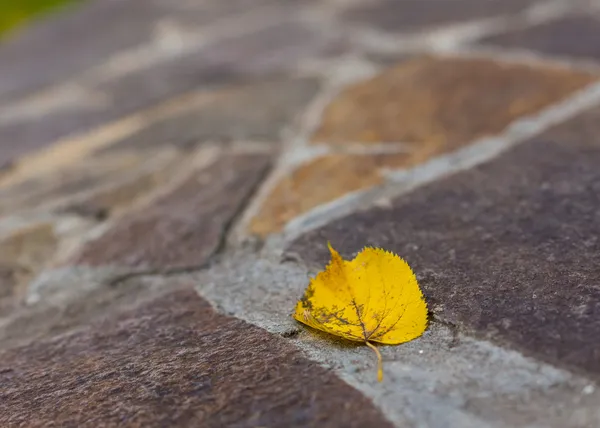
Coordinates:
[32,323]
[441,104]
[406,15]
[185,227]
[508,250]
[257,112]
[174,362]
[318,182]
[572,36]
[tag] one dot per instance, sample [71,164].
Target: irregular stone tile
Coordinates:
[24,251]
[236,60]
[275,48]
[118,197]
[508,250]
[84,35]
[68,181]
[107,182]
[441,104]
[88,295]
[87,34]
[184,227]
[320,181]
[25,136]
[571,36]
[257,112]
[406,15]
[174,361]
[441,379]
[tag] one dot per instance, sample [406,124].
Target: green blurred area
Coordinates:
[15,13]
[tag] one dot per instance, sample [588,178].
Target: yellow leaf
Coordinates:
[373,298]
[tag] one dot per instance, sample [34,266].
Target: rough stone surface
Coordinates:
[138,145]
[275,48]
[108,182]
[507,250]
[572,36]
[91,32]
[23,253]
[407,15]
[184,227]
[87,296]
[174,361]
[441,104]
[233,60]
[320,181]
[442,379]
[86,35]
[255,112]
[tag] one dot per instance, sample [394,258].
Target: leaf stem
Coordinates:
[379,361]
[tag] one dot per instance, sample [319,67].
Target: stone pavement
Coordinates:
[171,172]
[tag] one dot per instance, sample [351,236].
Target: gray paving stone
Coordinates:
[255,111]
[86,34]
[508,250]
[275,49]
[408,15]
[572,36]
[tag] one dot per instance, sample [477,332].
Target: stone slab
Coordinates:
[174,361]
[508,250]
[87,34]
[257,111]
[444,379]
[320,181]
[574,36]
[184,227]
[108,181]
[410,15]
[271,52]
[24,251]
[276,48]
[440,104]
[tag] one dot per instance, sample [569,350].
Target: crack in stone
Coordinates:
[220,249]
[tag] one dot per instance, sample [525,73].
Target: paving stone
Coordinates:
[87,34]
[24,251]
[184,227]
[21,137]
[508,250]
[174,361]
[320,181]
[279,46]
[571,36]
[441,104]
[406,15]
[442,379]
[256,112]
[230,61]
[70,42]
[107,182]
[89,298]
